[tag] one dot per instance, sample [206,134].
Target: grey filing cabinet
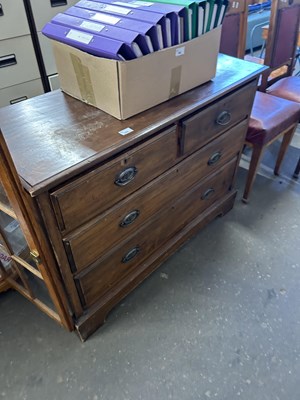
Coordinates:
[43,11]
[19,72]
[26,58]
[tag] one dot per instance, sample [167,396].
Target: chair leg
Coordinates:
[286,140]
[297,170]
[257,153]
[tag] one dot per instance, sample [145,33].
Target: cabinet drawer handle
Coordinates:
[58,3]
[126,176]
[8,60]
[208,194]
[14,101]
[214,158]
[224,118]
[131,254]
[129,218]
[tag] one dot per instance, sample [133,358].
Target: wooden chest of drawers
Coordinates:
[113,207]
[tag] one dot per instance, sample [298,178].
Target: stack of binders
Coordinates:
[128,29]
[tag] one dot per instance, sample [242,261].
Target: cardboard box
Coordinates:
[126,88]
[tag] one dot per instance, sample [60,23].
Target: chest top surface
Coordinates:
[54,137]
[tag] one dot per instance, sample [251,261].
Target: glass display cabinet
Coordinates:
[22,256]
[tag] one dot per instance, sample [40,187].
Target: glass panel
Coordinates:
[37,287]
[40,290]
[13,235]
[3,198]
[7,265]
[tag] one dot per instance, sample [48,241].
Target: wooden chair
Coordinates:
[281,42]
[271,117]
[234,29]
[288,88]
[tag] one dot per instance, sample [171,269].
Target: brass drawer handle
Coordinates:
[126,176]
[224,118]
[214,158]
[208,194]
[129,218]
[131,254]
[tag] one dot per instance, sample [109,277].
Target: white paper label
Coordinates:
[12,226]
[116,9]
[180,51]
[120,3]
[79,36]
[107,19]
[92,26]
[125,131]
[142,3]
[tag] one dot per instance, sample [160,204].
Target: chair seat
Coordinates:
[270,117]
[286,88]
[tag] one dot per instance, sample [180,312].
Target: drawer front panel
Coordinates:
[13,20]
[95,192]
[44,10]
[126,258]
[209,123]
[89,243]
[17,61]
[23,91]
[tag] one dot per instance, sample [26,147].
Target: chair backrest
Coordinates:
[234,28]
[282,40]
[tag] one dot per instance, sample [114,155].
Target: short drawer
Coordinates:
[101,277]
[100,189]
[23,91]
[13,20]
[88,243]
[44,10]
[210,122]
[17,61]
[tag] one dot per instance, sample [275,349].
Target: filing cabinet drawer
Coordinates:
[44,10]
[47,54]
[209,123]
[98,190]
[116,265]
[13,19]
[17,61]
[23,91]
[88,243]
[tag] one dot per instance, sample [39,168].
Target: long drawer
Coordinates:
[13,20]
[215,119]
[97,280]
[98,190]
[17,61]
[88,243]
[22,91]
